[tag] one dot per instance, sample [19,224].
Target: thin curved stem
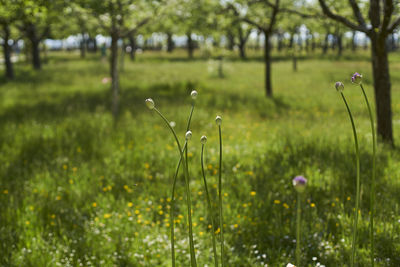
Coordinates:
[372,204]
[210,213]
[298,224]
[189,210]
[353,250]
[172,217]
[221,225]
[192,255]
[190,118]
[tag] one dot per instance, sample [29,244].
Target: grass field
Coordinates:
[78,189]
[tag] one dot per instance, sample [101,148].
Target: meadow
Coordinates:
[80,189]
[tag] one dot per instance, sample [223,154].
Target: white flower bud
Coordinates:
[339,86]
[188,135]
[150,103]
[172,124]
[203,139]
[193,94]
[218,120]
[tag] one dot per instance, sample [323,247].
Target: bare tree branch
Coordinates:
[393,25]
[273,16]
[255,24]
[341,19]
[139,25]
[301,14]
[357,13]
[387,14]
[375,14]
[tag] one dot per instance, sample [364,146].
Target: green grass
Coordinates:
[77,188]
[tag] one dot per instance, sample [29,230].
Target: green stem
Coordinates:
[372,204]
[172,217]
[209,206]
[353,249]
[192,255]
[189,210]
[190,118]
[298,224]
[221,225]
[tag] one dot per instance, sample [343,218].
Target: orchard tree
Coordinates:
[195,17]
[119,19]
[34,21]
[237,32]
[78,20]
[8,16]
[263,15]
[378,27]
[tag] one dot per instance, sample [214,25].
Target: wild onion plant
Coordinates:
[203,141]
[357,79]
[150,104]
[299,183]
[340,87]
[218,121]
[183,161]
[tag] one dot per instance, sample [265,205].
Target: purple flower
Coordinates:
[339,86]
[299,183]
[356,78]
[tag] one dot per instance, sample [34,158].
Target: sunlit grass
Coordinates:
[75,188]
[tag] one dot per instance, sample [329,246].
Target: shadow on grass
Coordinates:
[57,106]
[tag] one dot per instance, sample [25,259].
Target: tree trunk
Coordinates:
[313,44]
[339,44]
[353,41]
[170,43]
[190,45]
[231,40]
[122,57]
[257,47]
[7,53]
[267,61]
[114,74]
[291,40]
[382,88]
[94,45]
[83,46]
[37,64]
[325,45]
[307,42]
[132,42]
[242,42]
[32,35]
[280,41]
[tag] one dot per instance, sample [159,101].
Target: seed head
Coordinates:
[356,78]
[218,120]
[172,124]
[188,135]
[203,139]
[150,103]
[193,94]
[299,183]
[339,86]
